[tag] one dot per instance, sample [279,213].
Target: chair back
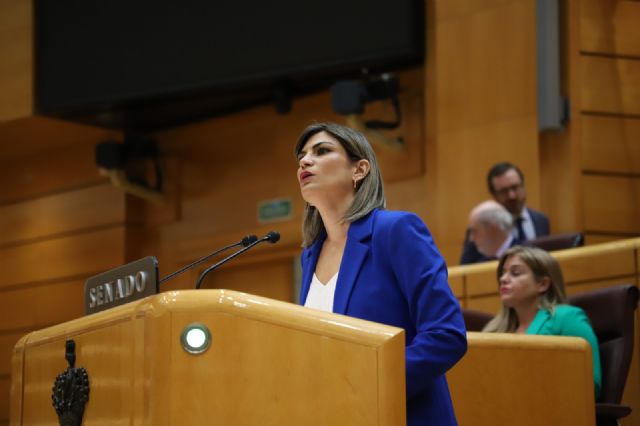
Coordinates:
[557,242]
[611,312]
[475,320]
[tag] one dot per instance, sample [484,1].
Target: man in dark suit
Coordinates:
[490,232]
[506,184]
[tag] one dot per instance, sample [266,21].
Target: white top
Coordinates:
[320,295]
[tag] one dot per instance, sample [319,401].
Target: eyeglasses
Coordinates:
[506,190]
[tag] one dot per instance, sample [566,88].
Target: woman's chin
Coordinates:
[307,192]
[506,300]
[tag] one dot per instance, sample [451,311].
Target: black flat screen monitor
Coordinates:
[149,64]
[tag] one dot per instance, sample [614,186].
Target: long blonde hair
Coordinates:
[369,193]
[543,265]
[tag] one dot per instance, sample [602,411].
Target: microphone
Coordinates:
[245,242]
[271,236]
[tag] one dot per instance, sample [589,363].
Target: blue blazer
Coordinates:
[392,273]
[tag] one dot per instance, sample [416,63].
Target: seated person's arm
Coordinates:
[577,324]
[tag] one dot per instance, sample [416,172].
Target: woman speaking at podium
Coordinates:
[363,261]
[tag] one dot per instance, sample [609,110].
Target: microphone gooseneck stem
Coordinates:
[225,260]
[197,262]
[246,241]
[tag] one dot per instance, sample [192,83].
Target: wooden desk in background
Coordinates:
[507,379]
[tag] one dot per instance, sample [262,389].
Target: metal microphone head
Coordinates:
[249,239]
[272,236]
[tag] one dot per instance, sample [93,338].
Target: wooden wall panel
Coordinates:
[596,265]
[610,85]
[39,156]
[596,285]
[480,109]
[457,285]
[488,303]
[59,223]
[560,179]
[609,101]
[610,26]
[41,174]
[56,214]
[5,383]
[590,239]
[611,144]
[482,281]
[51,244]
[75,256]
[37,135]
[612,204]
[273,279]
[36,306]
[16,67]
[468,155]
[489,75]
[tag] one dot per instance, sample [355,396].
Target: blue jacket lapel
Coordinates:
[355,253]
[309,261]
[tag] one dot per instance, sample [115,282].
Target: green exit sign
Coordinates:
[274,210]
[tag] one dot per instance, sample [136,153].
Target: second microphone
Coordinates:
[271,237]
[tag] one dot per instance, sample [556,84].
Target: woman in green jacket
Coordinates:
[534,301]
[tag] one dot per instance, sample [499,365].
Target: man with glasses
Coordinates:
[506,184]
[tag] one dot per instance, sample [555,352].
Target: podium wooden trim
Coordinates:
[270,362]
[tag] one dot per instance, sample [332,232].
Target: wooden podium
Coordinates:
[269,363]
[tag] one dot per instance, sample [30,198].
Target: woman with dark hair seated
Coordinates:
[534,301]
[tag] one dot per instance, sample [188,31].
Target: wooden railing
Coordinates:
[523,380]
